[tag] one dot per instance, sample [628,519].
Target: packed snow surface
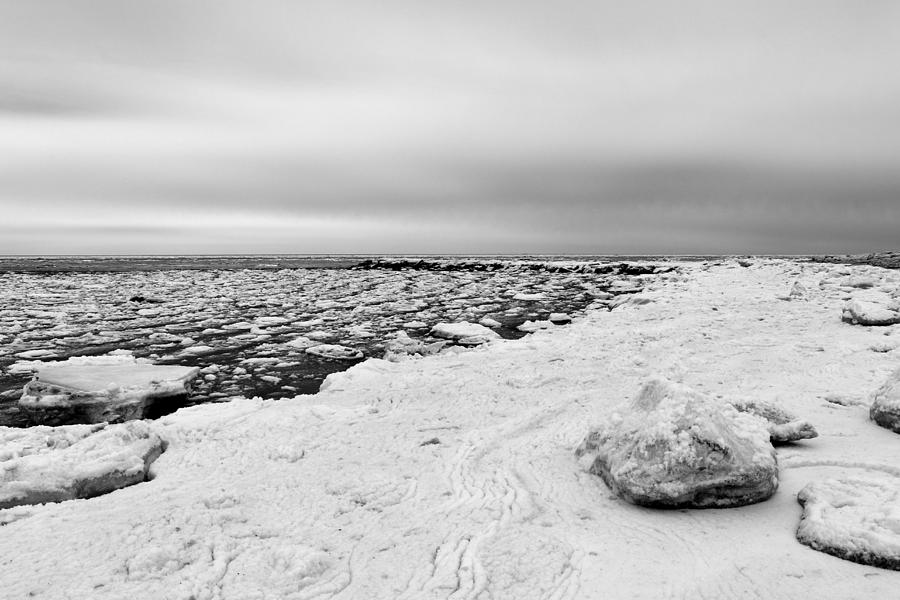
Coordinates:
[52,464]
[673,446]
[453,475]
[854,519]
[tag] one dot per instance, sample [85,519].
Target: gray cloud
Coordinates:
[406,127]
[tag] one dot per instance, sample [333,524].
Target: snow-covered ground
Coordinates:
[454,475]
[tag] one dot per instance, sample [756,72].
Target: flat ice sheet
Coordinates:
[100,377]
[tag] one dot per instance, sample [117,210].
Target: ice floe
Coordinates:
[94,389]
[464,330]
[335,352]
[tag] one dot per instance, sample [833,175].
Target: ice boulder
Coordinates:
[885,408]
[335,352]
[464,330]
[559,318]
[674,447]
[853,519]
[52,464]
[94,389]
[783,426]
[861,312]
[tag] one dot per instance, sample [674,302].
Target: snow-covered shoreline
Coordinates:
[453,476]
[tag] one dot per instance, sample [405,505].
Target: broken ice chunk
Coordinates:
[853,519]
[53,464]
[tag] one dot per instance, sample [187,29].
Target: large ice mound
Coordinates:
[52,464]
[853,519]
[97,389]
[885,408]
[672,446]
[862,312]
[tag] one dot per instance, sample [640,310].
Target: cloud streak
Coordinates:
[405,127]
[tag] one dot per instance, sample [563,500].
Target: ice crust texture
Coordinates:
[674,447]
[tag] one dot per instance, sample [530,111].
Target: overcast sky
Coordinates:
[573,126]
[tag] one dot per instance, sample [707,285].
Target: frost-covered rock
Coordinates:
[95,389]
[464,329]
[559,318]
[335,351]
[861,312]
[783,426]
[885,408]
[672,446]
[52,464]
[853,519]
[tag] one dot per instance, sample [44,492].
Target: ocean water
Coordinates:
[240,317]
